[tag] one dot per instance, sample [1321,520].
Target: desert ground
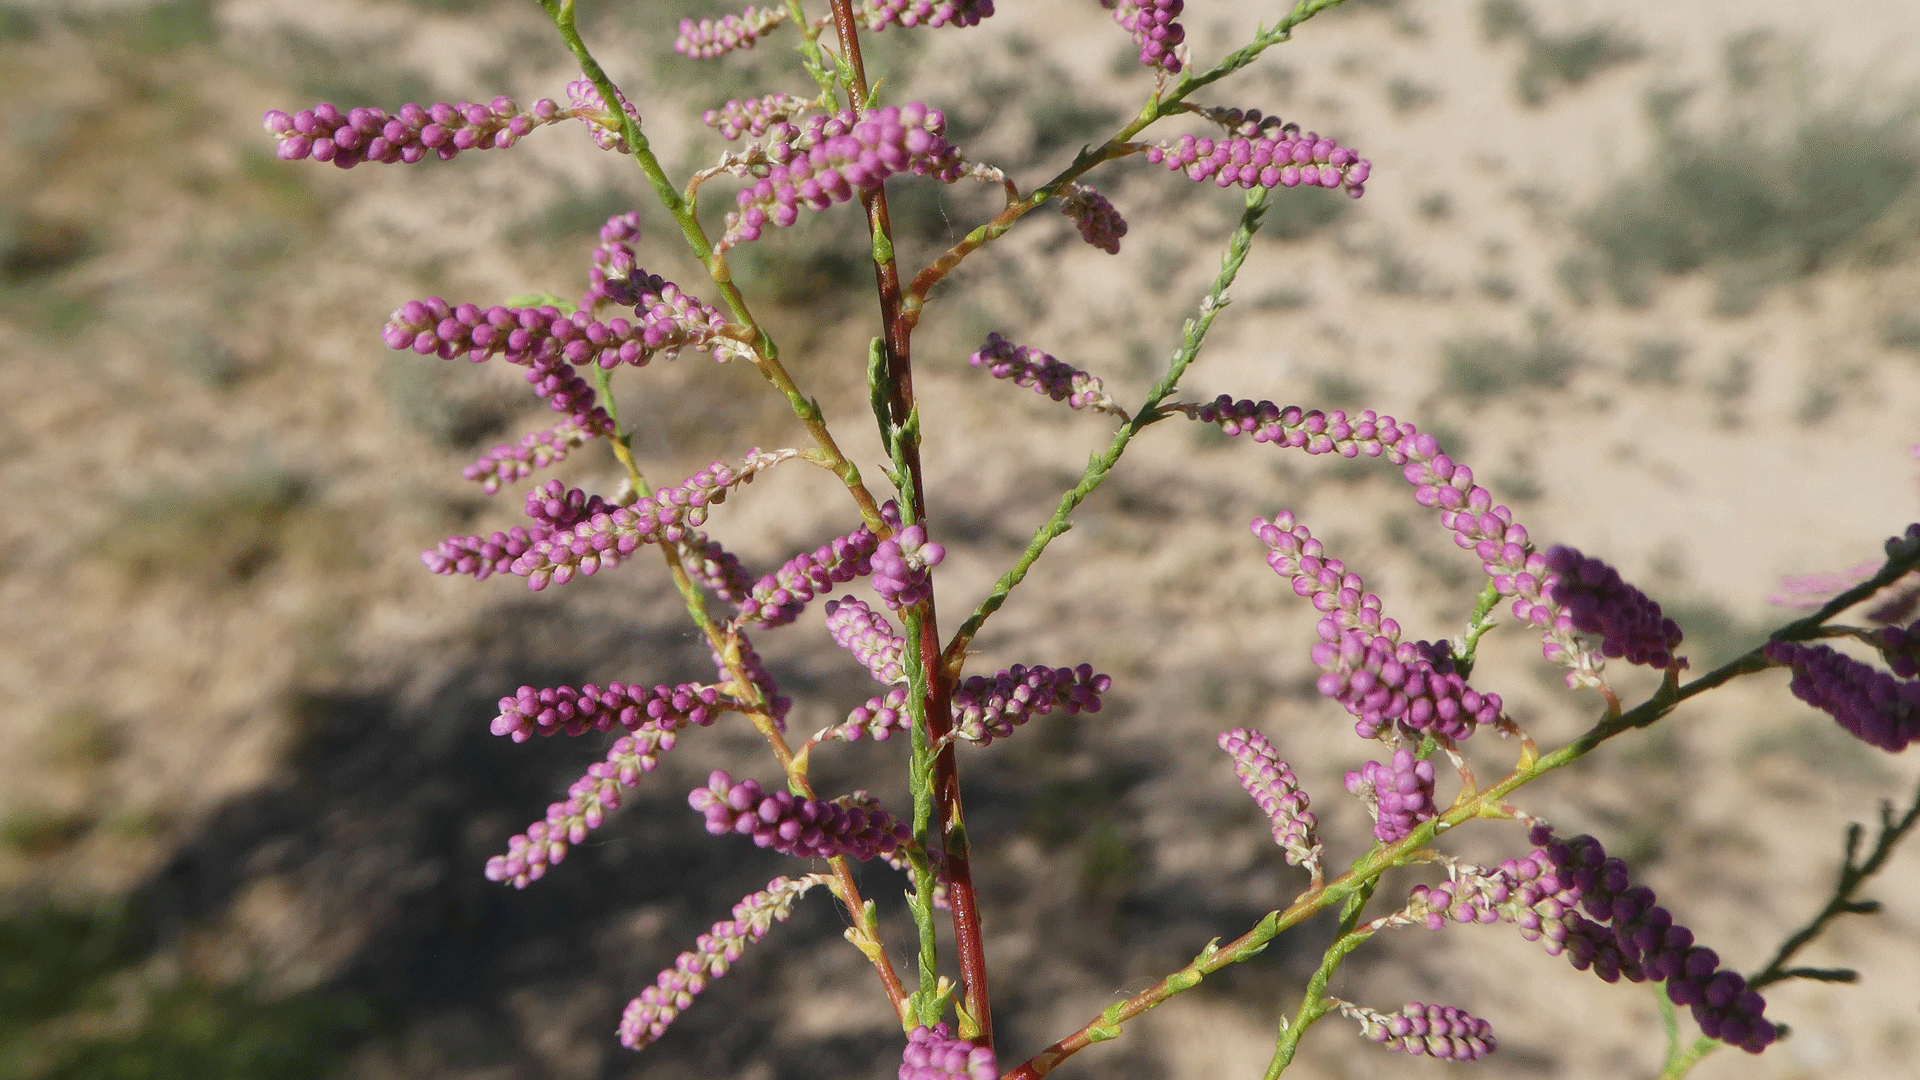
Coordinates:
[1651,269]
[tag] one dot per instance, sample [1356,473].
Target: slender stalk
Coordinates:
[933,720]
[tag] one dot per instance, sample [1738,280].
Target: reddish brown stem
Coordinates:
[897,330]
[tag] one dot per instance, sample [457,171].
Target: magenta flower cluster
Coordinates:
[667,516]
[1287,161]
[324,133]
[714,953]
[1439,1031]
[1400,794]
[879,14]
[989,707]
[1871,705]
[511,462]
[1382,681]
[1028,366]
[1597,601]
[878,719]
[709,38]
[1623,933]
[807,828]
[552,507]
[558,709]
[544,336]
[1900,645]
[780,597]
[827,159]
[1277,793]
[754,116]
[1151,23]
[934,1054]
[902,565]
[866,634]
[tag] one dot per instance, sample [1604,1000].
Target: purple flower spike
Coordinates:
[709,38]
[1400,795]
[988,708]
[871,639]
[558,709]
[1597,601]
[588,802]
[1440,1031]
[552,507]
[1289,160]
[781,596]
[879,14]
[324,133]
[827,159]
[506,464]
[1278,794]
[902,565]
[878,719]
[754,116]
[934,1054]
[1151,23]
[1870,704]
[807,828]
[1028,366]
[667,516]
[1900,646]
[647,1016]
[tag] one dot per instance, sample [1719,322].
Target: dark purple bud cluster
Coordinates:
[552,508]
[1870,704]
[828,158]
[1596,601]
[647,1016]
[1440,1031]
[614,264]
[1399,795]
[1466,508]
[871,639]
[755,115]
[1277,792]
[558,709]
[324,133]
[709,38]
[934,1054]
[1099,223]
[667,516]
[1028,366]
[1623,933]
[807,828]
[879,14]
[1381,680]
[781,596]
[1900,645]
[902,565]
[986,707]
[588,802]
[1151,23]
[1287,161]
[508,463]
[591,109]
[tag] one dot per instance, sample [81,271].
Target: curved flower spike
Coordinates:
[324,133]
[1440,1031]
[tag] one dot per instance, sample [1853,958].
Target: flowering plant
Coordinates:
[1414,697]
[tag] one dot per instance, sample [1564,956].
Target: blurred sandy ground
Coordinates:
[1649,267]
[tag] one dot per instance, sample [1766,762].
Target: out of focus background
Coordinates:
[1652,269]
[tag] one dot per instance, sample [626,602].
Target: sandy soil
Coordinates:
[240,707]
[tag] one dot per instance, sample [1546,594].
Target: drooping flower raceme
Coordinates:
[1869,704]
[1152,24]
[552,507]
[1440,1031]
[709,38]
[879,14]
[647,1016]
[1099,223]
[1400,794]
[989,707]
[1028,366]
[510,462]
[866,634]
[324,133]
